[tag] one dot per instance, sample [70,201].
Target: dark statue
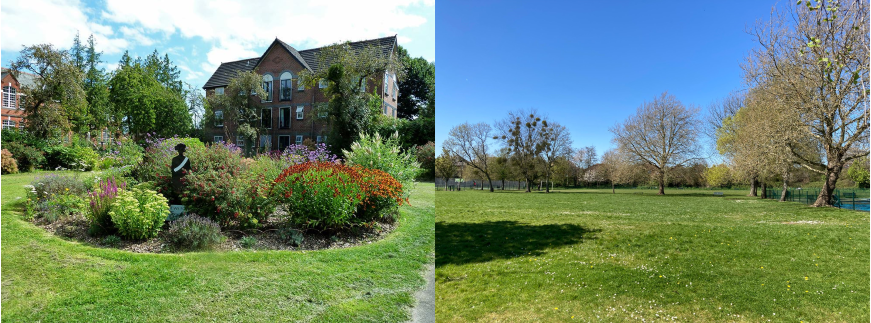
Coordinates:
[180,167]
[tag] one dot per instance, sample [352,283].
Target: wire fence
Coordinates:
[850,199]
[455,184]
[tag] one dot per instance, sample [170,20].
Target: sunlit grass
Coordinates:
[48,279]
[589,255]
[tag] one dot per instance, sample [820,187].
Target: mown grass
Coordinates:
[46,278]
[589,255]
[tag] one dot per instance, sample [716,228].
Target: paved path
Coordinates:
[424,311]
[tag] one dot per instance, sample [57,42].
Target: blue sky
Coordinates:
[199,35]
[587,65]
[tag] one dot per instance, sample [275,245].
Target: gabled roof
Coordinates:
[24,79]
[308,58]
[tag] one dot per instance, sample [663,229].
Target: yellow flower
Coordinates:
[805,277]
[556,308]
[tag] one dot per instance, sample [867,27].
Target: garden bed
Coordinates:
[267,238]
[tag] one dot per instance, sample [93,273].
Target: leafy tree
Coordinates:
[445,166]
[814,57]
[145,105]
[859,172]
[617,167]
[240,107]
[468,144]
[57,102]
[350,111]
[96,88]
[662,134]
[416,88]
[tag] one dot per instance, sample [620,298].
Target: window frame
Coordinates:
[270,118]
[7,124]
[281,117]
[299,139]
[300,112]
[282,81]
[322,84]
[268,141]
[9,97]
[279,142]
[221,119]
[215,139]
[240,141]
[267,84]
[219,91]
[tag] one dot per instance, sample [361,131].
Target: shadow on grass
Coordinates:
[651,193]
[462,243]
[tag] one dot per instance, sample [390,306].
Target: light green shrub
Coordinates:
[139,214]
[375,152]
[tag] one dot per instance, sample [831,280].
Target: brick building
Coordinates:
[287,113]
[13,99]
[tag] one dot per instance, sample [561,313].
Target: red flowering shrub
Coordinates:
[327,195]
[221,187]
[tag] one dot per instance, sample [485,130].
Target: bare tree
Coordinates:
[815,57]
[662,134]
[468,142]
[557,144]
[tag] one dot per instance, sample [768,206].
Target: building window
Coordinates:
[320,139]
[266,141]
[240,141]
[395,89]
[299,85]
[299,113]
[266,118]
[9,97]
[284,118]
[219,138]
[283,142]
[219,91]
[8,124]
[299,140]
[219,118]
[386,78]
[322,114]
[21,101]
[322,84]
[286,89]
[267,86]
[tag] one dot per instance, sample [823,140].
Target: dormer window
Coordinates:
[286,90]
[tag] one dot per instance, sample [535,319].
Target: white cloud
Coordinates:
[228,53]
[402,40]
[311,22]
[191,74]
[52,21]
[136,35]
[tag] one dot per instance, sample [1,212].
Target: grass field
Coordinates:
[48,279]
[589,255]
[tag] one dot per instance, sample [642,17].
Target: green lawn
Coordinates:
[589,255]
[49,279]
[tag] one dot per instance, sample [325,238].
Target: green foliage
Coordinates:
[139,214]
[292,235]
[859,172]
[223,189]
[416,87]
[157,158]
[76,156]
[384,154]
[248,242]
[426,158]
[56,103]
[318,194]
[194,232]
[241,113]
[111,241]
[718,176]
[148,106]
[127,152]
[411,132]
[101,200]
[47,186]
[28,158]
[60,206]
[10,166]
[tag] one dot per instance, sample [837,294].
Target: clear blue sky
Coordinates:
[586,65]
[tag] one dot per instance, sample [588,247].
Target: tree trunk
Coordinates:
[503,184]
[528,190]
[785,190]
[764,191]
[612,188]
[828,190]
[661,182]
[753,183]
[547,184]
